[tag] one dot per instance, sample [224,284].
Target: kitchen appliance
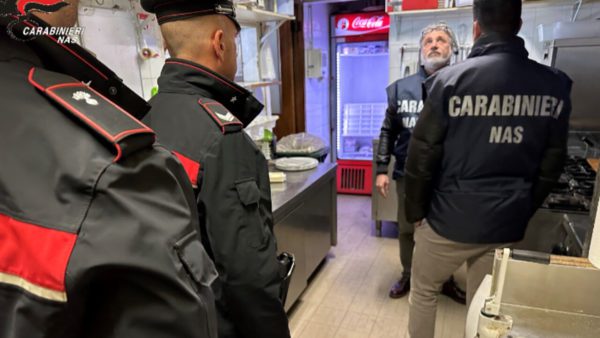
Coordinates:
[573,197]
[578,58]
[561,223]
[536,295]
[361,64]
[575,188]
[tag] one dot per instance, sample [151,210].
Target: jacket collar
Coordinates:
[12,50]
[184,76]
[493,43]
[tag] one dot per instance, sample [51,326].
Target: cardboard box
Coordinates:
[411,5]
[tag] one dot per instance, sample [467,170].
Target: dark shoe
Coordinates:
[400,288]
[452,290]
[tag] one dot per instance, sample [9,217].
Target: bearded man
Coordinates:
[405,101]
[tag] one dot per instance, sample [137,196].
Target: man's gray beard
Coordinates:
[435,63]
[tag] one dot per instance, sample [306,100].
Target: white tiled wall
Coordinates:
[150,71]
[405,30]
[317,89]
[113,33]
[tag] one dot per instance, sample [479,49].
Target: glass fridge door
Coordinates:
[362,76]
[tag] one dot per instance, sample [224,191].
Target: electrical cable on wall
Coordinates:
[576,8]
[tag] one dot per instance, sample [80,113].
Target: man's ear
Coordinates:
[164,44]
[218,44]
[476,30]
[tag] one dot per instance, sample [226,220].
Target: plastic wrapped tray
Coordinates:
[296,163]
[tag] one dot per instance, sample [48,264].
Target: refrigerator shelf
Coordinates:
[360,153]
[364,55]
[363,119]
[359,135]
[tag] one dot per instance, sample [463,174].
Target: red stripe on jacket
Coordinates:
[192,168]
[37,254]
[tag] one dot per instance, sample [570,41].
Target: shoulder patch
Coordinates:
[101,115]
[223,117]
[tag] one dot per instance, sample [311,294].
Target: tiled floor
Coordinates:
[348,296]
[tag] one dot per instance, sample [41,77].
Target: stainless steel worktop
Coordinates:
[555,299]
[296,185]
[531,322]
[305,218]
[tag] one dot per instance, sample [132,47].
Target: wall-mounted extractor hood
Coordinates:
[569,30]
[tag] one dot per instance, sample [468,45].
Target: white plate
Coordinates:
[296,163]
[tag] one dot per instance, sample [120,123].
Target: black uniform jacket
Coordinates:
[489,145]
[98,227]
[404,106]
[200,115]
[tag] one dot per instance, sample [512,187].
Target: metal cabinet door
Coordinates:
[383,209]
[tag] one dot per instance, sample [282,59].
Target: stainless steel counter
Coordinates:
[383,209]
[297,184]
[305,218]
[531,322]
[555,299]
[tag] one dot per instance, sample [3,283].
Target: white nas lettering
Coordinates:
[506,134]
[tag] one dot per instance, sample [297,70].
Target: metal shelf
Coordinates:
[531,3]
[252,15]
[431,11]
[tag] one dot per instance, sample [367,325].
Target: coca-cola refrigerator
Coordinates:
[361,74]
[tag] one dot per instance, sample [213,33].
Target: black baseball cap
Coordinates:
[172,10]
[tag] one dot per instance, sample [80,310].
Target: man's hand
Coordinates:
[383,184]
[419,223]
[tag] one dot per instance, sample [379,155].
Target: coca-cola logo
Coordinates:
[343,24]
[361,24]
[367,23]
